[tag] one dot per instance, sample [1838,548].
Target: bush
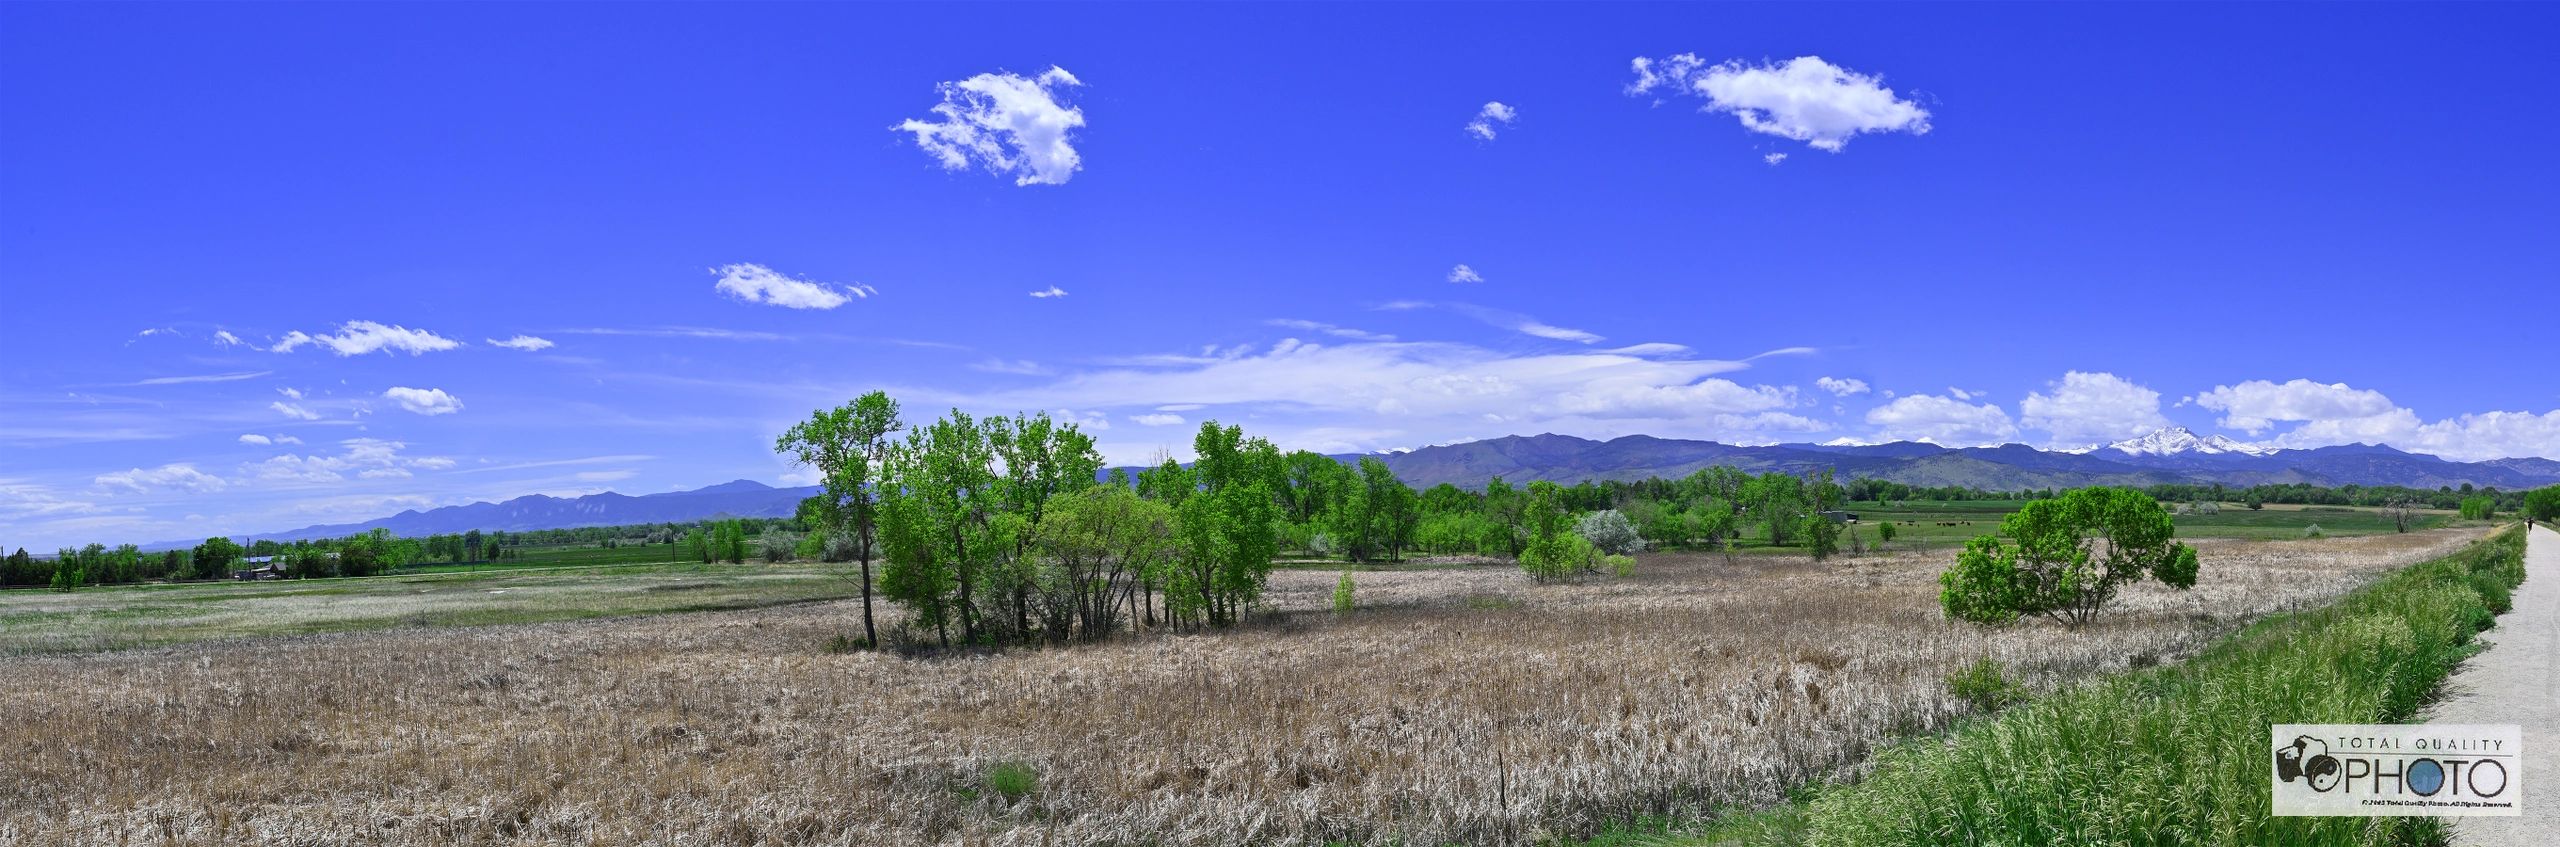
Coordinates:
[1012,780]
[2183,746]
[1344,600]
[2313,531]
[1609,530]
[2053,566]
[776,545]
[1623,566]
[1985,687]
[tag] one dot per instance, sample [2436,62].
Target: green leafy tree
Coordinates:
[1885,532]
[1226,531]
[1098,548]
[1775,501]
[1553,551]
[847,446]
[216,555]
[1821,533]
[2066,558]
[936,524]
[2543,504]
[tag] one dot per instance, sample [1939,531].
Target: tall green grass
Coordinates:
[2179,755]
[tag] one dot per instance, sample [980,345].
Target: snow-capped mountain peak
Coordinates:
[2175,440]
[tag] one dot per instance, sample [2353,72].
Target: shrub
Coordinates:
[1012,780]
[1611,531]
[1344,600]
[2182,745]
[776,545]
[1623,566]
[2057,567]
[2313,531]
[1984,686]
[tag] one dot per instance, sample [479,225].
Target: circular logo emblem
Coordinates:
[2426,777]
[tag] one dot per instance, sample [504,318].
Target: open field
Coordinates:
[149,615]
[1948,524]
[566,554]
[1459,705]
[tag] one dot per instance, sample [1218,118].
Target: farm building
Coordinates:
[259,567]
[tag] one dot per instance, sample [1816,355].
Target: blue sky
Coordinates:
[2052,224]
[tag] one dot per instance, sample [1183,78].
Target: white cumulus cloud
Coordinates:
[2092,408]
[525,343]
[1802,99]
[754,283]
[1051,291]
[1006,123]
[424,401]
[1942,420]
[357,338]
[1462,273]
[1157,419]
[1490,119]
[2336,413]
[2258,405]
[1842,387]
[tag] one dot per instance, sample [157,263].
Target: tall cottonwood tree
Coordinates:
[1225,525]
[962,504]
[847,445]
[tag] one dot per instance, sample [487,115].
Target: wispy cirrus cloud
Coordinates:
[525,343]
[1512,321]
[357,338]
[1329,329]
[179,476]
[200,378]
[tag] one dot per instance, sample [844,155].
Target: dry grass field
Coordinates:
[1459,705]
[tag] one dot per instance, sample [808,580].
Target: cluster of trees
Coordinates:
[2541,504]
[2306,494]
[720,541]
[1002,531]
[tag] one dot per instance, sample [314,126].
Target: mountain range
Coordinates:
[2172,455]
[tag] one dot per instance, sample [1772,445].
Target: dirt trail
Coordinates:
[2517,680]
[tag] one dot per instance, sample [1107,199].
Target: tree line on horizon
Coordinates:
[1310,504]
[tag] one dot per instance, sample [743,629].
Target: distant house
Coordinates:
[259,567]
[1837,516]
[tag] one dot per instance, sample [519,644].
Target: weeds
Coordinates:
[2176,755]
[1691,688]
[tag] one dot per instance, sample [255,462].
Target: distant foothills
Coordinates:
[2167,457]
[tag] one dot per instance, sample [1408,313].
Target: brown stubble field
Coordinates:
[1459,705]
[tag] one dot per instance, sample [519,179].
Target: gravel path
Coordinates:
[2517,680]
